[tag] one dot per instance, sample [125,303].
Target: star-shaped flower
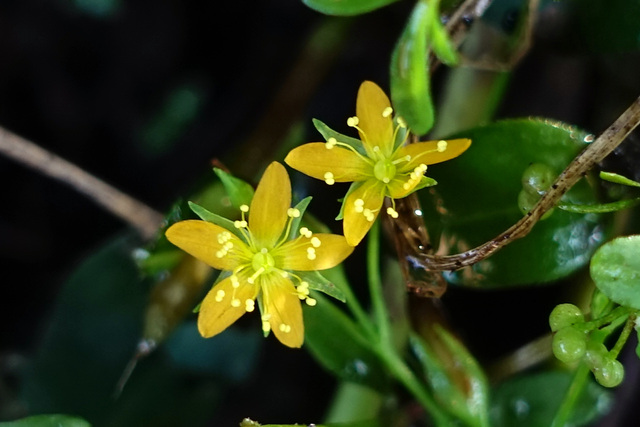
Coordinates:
[380,164]
[263,257]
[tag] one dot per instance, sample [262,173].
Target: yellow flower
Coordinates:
[261,256]
[379,164]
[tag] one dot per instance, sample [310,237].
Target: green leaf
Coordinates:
[476,199]
[346,7]
[327,133]
[216,219]
[618,179]
[240,192]
[339,344]
[467,401]
[47,421]
[410,90]
[599,208]
[441,45]
[615,269]
[318,282]
[532,401]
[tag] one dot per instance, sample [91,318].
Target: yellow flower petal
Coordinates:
[315,160]
[378,130]
[356,224]
[329,250]
[223,305]
[206,241]
[282,306]
[268,211]
[427,152]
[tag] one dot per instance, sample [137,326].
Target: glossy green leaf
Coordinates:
[47,421]
[615,269]
[327,133]
[476,199]
[240,192]
[339,344]
[216,219]
[346,7]
[318,282]
[532,401]
[599,208]
[410,91]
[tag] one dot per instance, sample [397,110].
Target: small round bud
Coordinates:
[610,374]
[595,356]
[537,178]
[569,345]
[564,315]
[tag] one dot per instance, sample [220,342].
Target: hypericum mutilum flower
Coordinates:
[261,258]
[379,164]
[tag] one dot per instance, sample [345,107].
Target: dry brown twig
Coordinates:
[140,216]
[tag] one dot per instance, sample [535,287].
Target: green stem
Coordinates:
[624,336]
[571,397]
[358,312]
[380,313]
[615,314]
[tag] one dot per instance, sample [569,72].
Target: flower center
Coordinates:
[263,261]
[384,170]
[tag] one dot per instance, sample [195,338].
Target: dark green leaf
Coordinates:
[346,7]
[410,90]
[615,269]
[533,400]
[618,179]
[47,421]
[476,199]
[240,192]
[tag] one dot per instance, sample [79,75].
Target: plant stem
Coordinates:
[624,336]
[380,313]
[571,397]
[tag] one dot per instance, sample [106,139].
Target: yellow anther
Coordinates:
[235,302]
[265,317]
[315,242]
[220,295]
[353,121]
[266,327]
[331,142]
[401,122]
[311,302]
[368,214]
[359,205]
[406,186]
[311,253]
[221,253]
[249,305]
[329,179]
[228,245]
[442,145]
[293,213]
[244,208]
[240,224]
[234,281]
[284,328]
[392,212]
[304,231]
[387,112]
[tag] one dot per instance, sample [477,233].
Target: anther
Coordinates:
[401,122]
[311,302]
[284,328]
[442,146]
[293,213]
[353,121]
[315,242]
[331,142]
[220,295]
[304,231]
[387,112]
[244,208]
[311,253]
[234,281]
[235,302]
[329,179]
[392,212]
[359,205]
[240,224]
[249,305]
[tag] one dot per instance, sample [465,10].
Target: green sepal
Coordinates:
[599,208]
[216,219]
[353,187]
[295,222]
[240,192]
[615,269]
[56,420]
[318,282]
[410,87]
[327,133]
[618,179]
[425,181]
[345,7]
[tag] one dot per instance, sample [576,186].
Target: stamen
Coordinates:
[304,231]
[240,224]
[235,303]
[284,328]
[220,295]
[311,302]
[331,142]
[266,326]
[329,179]
[293,213]
[221,253]
[315,242]
[387,112]
[401,122]
[353,121]
[255,275]
[311,254]
[244,208]
[442,146]
[392,212]
[368,214]
[359,205]
[249,305]
[235,283]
